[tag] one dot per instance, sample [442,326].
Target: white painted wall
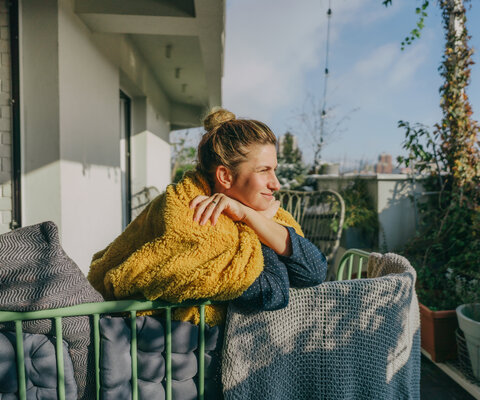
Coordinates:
[89,141]
[396,213]
[150,146]
[71,80]
[41,195]
[91,210]
[150,162]
[390,194]
[40,112]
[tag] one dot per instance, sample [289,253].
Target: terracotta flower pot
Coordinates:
[438,333]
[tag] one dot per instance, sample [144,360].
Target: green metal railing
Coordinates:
[352,259]
[95,310]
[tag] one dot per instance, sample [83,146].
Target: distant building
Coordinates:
[384,165]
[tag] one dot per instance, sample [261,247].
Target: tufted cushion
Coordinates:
[40,368]
[115,345]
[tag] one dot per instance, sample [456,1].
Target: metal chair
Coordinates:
[320,214]
[141,199]
[352,259]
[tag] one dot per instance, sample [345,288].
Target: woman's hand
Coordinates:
[210,208]
[271,210]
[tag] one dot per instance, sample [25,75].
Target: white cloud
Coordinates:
[384,71]
[274,47]
[269,47]
[272,44]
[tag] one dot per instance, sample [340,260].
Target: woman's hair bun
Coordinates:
[217,116]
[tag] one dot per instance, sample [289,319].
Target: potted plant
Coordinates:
[448,235]
[469,321]
[469,317]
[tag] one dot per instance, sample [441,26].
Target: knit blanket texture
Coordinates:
[164,254]
[36,274]
[357,339]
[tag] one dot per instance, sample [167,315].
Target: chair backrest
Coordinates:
[142,198]
[320,214]
[95,310]
[352,264]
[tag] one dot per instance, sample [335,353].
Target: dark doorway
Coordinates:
[125,167]
[15,102]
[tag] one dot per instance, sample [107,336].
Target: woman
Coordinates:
[239,157]
[217,234]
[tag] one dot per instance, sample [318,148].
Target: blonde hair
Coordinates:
[226,141]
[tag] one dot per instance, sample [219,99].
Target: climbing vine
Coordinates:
[447,246]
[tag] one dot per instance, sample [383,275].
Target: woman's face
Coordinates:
[255,180]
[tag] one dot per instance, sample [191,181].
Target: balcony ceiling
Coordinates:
[181,41]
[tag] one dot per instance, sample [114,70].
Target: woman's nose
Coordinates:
[274,183]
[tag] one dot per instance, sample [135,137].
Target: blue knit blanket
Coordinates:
[356,339]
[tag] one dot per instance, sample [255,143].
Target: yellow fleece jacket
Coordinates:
[163,254]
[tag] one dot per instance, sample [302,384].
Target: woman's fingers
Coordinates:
[220,206]
[207,212]
[200,209]
[204,207]
[197,201]
[210,208]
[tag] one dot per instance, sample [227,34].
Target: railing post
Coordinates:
[96,338]
[59,352]
[22,390]
[168,355]
[133,353]
[201,355]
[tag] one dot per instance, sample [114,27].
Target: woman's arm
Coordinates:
[269,232]
[270,291]
[306,266]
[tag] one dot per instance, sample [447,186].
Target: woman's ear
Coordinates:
[224,177]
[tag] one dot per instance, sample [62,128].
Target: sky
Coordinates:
[275,59]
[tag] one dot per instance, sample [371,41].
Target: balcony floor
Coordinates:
[437,385]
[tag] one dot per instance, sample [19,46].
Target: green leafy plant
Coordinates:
[415,32]
[359,209]
[448,238]
[468,290]
[183,157]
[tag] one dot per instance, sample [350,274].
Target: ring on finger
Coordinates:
[214,202]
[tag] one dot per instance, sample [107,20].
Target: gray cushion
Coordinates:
[115,344]
[37,274]
[40,368]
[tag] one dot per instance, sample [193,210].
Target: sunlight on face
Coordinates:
[255,180]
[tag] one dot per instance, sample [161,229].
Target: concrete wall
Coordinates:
[150,147]
[391,197]
[5,122]
[396,211]
[71,126]
[91,206]
[70,135]
[150,120]
[40,112]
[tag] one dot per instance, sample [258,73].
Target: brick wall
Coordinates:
[5,122]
